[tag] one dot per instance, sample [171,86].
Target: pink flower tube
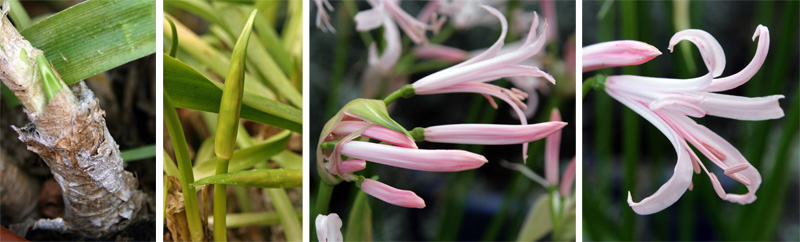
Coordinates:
[491,134]
[415,159]
[386,193]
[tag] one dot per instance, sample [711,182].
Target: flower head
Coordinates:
[666,103]
[471,76]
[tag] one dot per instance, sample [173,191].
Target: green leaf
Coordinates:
[264,178]
[169,167]
[95,36]
[236,220]
[246,158]
[288,159]
[537,223]
[359,222]
[18,14]
[144,152]
[190,89]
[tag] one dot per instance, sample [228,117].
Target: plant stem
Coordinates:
[406,91]
[220,200]
[555,209]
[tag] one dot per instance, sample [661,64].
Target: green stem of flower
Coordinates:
[220,206]
[406,91]
[597,82]
[555,209]
[324,193]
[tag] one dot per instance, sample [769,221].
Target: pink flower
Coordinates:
[323,19]
[617,53]
[666,103]
[386,193]
[329,227]
[415,159]
[470,76]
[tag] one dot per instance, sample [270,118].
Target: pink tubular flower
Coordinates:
[491,134]
[470,76]
[415,159]
[666,103]
[617,53]
[386,193]
[552,146]
[329,227]
[323,19]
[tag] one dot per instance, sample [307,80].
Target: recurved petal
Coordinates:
[710,50]
[674,188]
[735,80]
[742,108]
[492,51]
[386,193]
[729,158]
[422,160]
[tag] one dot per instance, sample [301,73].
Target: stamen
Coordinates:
[691,185]
[736,168]
[740,178]
[714,151]
[717,186]
[491,100]
[521,93]
[695,163]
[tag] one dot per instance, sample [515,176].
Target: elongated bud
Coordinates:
[553,144]
[386,193]
[617,53]
[415,159]
[231,102]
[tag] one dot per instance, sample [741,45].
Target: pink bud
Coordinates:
[552,145]
[386,193]
[617,53]
[415,159]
